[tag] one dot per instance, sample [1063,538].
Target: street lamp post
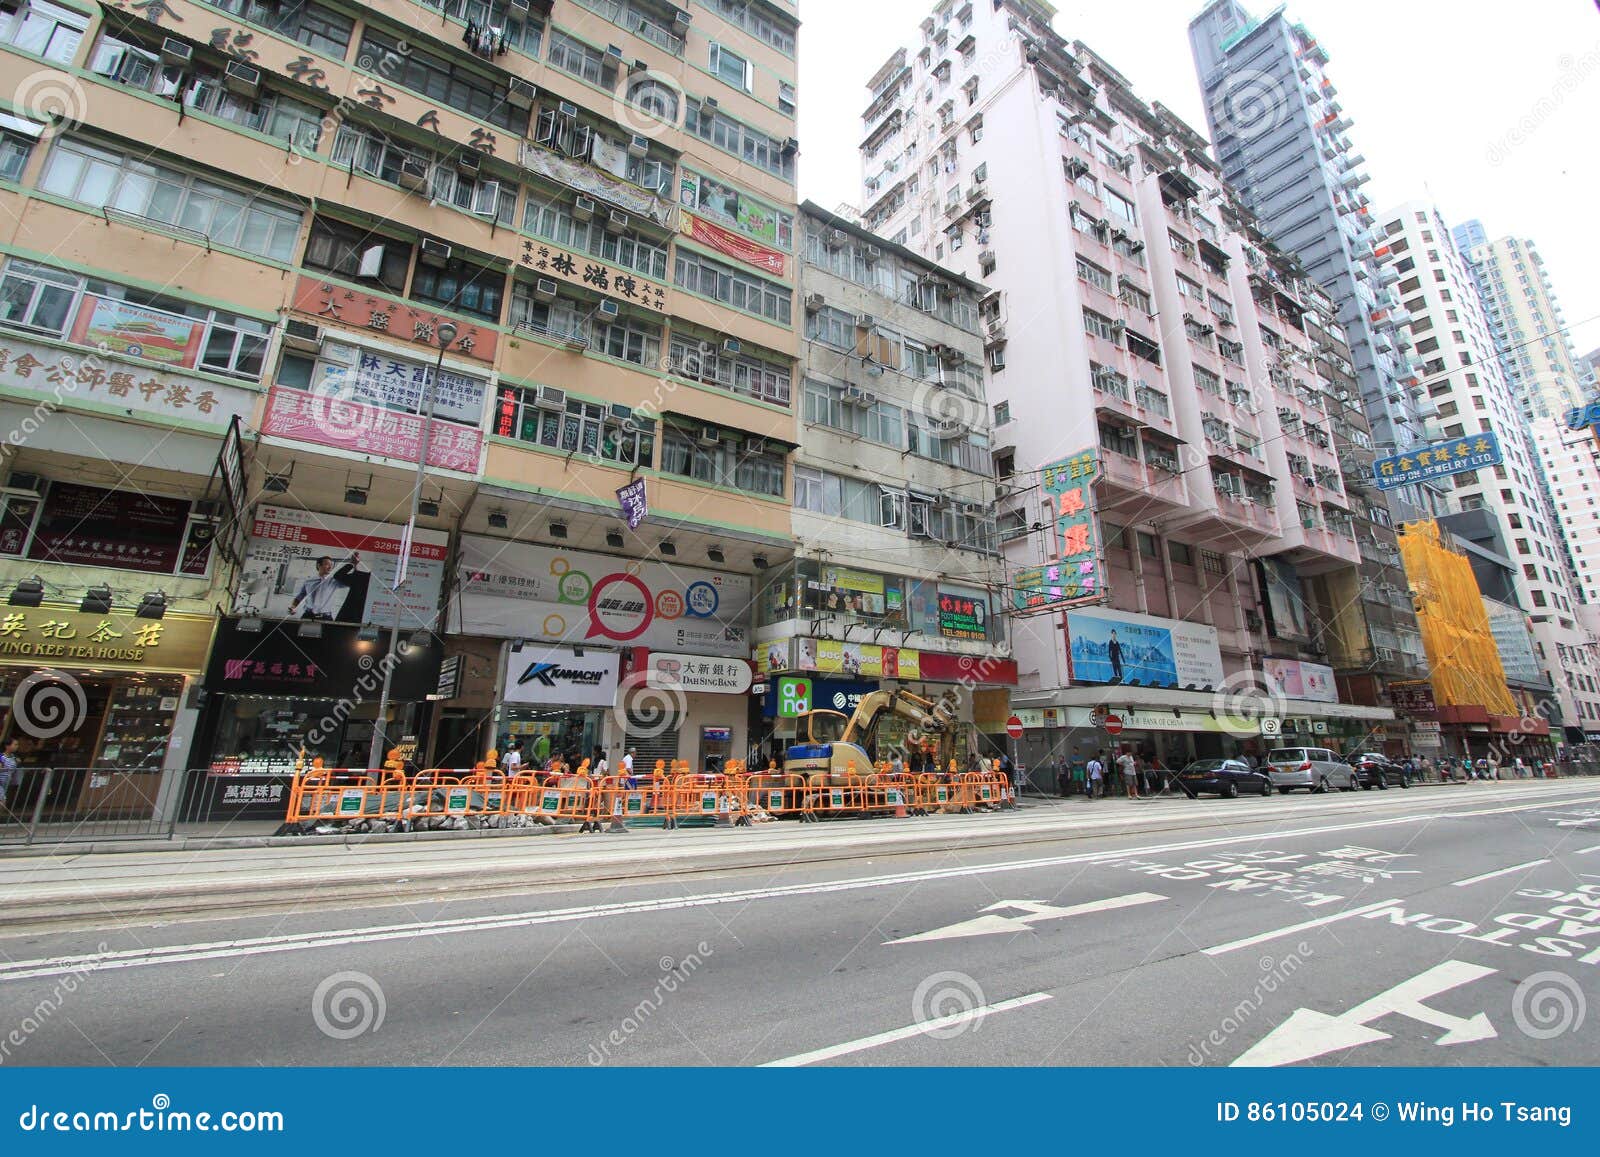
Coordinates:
[445,335]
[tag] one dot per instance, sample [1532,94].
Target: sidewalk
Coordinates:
[144,885]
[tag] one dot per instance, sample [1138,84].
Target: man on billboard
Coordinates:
[1114,657]
[333,595]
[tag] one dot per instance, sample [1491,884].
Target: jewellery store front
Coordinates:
[98,698]
[279,691]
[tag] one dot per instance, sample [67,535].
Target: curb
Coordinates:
[223,843]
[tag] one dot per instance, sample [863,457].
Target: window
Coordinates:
[473,289]
[701,360]
[576,57]
[463,89]
[1097,325]
[732,287]
[1094,275]
[102,178]
[337,248]
[732,69]
[554,220]
[722,461]
[585,427]
[320,29]
[1180,553]
[1212,562]
[1120,207]
[44,30]
[786,98]
[15,148]
[740,140]
[758,21]
[629,339]
[1002,413]
[657,99]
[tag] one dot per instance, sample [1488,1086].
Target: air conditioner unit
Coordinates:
[583,208]
[709,102]
[26,484]
[1002,490]
[371,262]
[413,174]
[1118,326]
[814,302]
[871,253]
[680,21]
[567,109]
[241,78]
[1309,523]
[835,238]
[790,146]
[175,51]
[709,436]
[732,345]
[608,309]
[519,7]
[1252,620]
[544,289]
[551,398]
[302,335]
[616,222]
[852,395]
[753,445]
[1309,480]
[638,67]
[519,93]
[469,162]
[435,253]
[865,321]
[639,146]
[949,355]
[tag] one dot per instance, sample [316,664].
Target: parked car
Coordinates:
[1376,770]
[1224,777]
[1313,769]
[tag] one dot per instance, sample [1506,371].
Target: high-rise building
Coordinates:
[548,249]
[1462,373]
[1171,399]
[1530,331]
[1281,139]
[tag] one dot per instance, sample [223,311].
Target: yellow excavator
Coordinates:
[830,747]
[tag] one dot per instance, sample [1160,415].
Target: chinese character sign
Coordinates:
[634,503]
[1472,452]
[1074,574]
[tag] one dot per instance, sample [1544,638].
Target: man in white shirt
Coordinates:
[627,763]
[1097,772]
[324,593]
[1129,767]
[513,759]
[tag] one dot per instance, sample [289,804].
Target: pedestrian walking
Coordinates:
[1096,771]
[513,760]
[1128,765]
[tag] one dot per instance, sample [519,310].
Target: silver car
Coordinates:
[1312,768]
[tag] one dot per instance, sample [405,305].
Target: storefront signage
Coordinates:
[70,377]
[337,664]
[51,636]
[826,694]
[735,245]
[560,675]
[1414,699]
[522,591]
[859,659]
[1294,679]
[794,696]
[91,526]
[978,670]
[303,565]
[773,656]
[1582,417]
[1473,452]
[718,676]
[125,328]
[841,590]
[578,269]
[449,679]
[1072,577]
[375,378]
[391,317]
[1116,647]
[962,616]
[634,503]
[330,420]
[1156,719]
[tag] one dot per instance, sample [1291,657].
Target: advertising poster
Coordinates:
[840,590]
[91,526]
[1294,679]
[962,615]
[391,383]
[1472,452]
[1115,647]
[514,590]
[868,659]
[1286,601]
[1073,576]
[330,420]
[125,328]
[1514,641]
[321,567]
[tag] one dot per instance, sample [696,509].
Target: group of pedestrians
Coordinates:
[1122,771]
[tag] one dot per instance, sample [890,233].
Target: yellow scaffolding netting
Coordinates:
[1461,650]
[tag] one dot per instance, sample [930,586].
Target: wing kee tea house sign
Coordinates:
[52,634]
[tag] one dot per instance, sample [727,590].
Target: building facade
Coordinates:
[549,249]
[1174,511]
[1281,137]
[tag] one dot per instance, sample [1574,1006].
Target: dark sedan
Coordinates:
[1223,777]
[1377,771]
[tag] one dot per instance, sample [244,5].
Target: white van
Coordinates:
[1312,768]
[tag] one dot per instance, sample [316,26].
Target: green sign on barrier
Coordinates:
[635,803]
[350,801]
[941,794]
[457,800]
[774,801]
[837,798]
[894,797]
[985,793]
[708,801]
[549,802]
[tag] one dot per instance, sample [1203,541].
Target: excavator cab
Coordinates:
[821,727]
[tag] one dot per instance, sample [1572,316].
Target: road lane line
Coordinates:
[1470,880]
[1586,851]
[1321,921]
[911,1030]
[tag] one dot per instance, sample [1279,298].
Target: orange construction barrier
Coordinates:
[564,799]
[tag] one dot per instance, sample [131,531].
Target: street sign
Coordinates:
[794,697]
[1112,724]
[1014,727]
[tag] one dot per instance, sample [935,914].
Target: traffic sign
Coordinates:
[1014,727]
[1112,724]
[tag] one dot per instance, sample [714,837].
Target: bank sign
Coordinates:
[1418,464]
[561,676]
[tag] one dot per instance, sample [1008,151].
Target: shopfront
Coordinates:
[281,693]
[99,698]
[554,701]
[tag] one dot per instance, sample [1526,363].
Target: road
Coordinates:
[1444,926]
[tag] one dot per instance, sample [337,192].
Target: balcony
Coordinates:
[1148,489]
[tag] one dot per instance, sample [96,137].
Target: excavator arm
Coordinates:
[923,714]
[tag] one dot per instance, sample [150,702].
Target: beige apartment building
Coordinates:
[259,260]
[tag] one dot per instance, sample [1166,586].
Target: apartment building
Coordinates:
[1173,492]
[1282,139]
[897,579]
[1537,357]
[1462,373]
[279,255]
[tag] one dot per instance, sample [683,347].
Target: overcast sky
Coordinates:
[1446,101]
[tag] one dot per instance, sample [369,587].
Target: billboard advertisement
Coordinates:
[1117,647]
[515,590]
[1287,614]
[322,567]
[1074,574]
[1294,679]
[124,328]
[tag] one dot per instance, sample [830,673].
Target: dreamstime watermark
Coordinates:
[943,1001]
[645,709]
[346,1005]
[1252,103]
[1274,975]
[367,682]
[39,1015]
[49,703]
[674,975]
[58,97]
[1243,700]
[384,66]
[1571,74]
[1547,1005]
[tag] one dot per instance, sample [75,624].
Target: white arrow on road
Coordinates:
[1308,1033]
[1034,913]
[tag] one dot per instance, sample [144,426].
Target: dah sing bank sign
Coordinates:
[699,673]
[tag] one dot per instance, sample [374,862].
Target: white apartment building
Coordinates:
[1129,316]
[1463,377]
[1572,472]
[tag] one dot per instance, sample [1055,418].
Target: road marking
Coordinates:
[1586,851]
[1319,922]
[1308,1033]
[332,938]
[990,925]
[1469,881]
[909,1031]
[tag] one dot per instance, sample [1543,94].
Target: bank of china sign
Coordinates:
[561,676]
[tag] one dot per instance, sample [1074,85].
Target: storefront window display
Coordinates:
[551,731]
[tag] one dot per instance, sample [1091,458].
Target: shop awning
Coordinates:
[1189,702]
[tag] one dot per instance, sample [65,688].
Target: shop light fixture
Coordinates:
[97,601]
[250,626]
[614,539]
[310,631]
[355,496]
[152,606]
[276,484]
[558,530]
[368,633]
[28,593]
[668,548]
[715,555]
[498,520]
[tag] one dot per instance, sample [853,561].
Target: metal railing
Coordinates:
[51,804]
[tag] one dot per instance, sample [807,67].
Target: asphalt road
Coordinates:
[1448,926]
